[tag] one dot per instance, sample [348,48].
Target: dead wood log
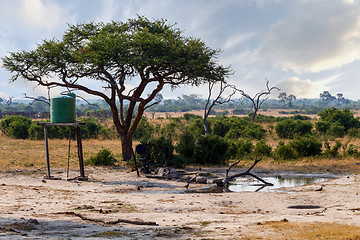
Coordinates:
[228,178]
[134,222]
[8,229]
[191,179]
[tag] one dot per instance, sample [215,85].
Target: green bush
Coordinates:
[144,130]
[240,111]
[322,126]
[19,129]
[16,126]
[336,130]
[332,151]
[186,145]
[240,128]
[210,150]
[284,152]
[342,118]
[169,130]
[300,117]
[222,113]
[238,149]
[285,129]
[353,132]
[244,147]
[337,123]
[108,133]
[91,129]
[197,127]
[190,116]
[36,132]
[262,149]
[159,151]
[290,128]
[102,158]
[306,146]
[61,132]
[220,127]
[352,151]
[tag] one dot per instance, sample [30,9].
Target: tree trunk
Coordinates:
[126,147]
[206,126]
[254,115]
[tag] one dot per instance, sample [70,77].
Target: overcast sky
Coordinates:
[302,46]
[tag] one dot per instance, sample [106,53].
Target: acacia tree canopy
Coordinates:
[153,52]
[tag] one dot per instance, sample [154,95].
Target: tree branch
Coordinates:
[47,101]
[228,178]
[135,222]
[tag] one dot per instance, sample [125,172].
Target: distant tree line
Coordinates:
[182,141]
[289,103]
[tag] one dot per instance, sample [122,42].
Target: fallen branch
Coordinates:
[8,229]
[191,179]
[140,222]
[228,178]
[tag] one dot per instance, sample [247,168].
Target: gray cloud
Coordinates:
[303,36]
[4,95]
[301,88]
[318,37]
[33,14]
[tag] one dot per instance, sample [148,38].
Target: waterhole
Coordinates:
[278,183]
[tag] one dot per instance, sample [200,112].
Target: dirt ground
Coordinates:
[32,207]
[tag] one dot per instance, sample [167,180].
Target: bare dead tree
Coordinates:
[217,101]
[228,178]
[9,102]
[259,98]
[39,99]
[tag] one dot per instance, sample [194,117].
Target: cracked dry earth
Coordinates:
[34,208]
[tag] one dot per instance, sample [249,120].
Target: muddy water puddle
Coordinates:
[278,183]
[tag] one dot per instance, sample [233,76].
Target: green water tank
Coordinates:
[62,109]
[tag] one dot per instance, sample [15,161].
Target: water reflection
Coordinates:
[253,185]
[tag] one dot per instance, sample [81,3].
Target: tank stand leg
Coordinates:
[80,154]
[48,176]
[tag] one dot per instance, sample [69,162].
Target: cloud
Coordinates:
[4,95]
[109,10]
[236,40]
[318,37]
[299,87]
[41,14]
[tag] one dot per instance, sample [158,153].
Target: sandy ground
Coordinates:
[34,208]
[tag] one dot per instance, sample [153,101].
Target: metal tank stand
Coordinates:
[77,125]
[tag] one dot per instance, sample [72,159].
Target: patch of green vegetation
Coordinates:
[102,158]
[205,223]
[20,226]
[109,234]
[28,164]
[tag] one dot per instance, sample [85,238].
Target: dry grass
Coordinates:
[333,165]
[24,154]
[21,154]
[280,230]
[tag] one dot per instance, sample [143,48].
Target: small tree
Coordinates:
[259,98]
[218,100]
[341,99]
[286,100]
[326,97]
[282,98]
[151,54]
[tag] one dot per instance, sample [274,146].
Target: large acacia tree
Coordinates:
[143,54]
